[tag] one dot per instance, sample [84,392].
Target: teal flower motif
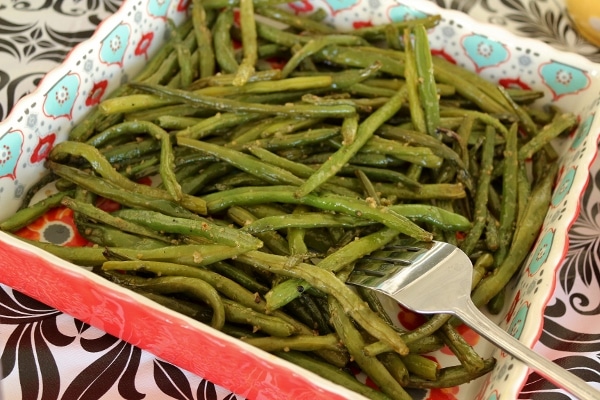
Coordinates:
[115,44]
[59,100]
[563,79]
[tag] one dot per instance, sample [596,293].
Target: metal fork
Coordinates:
[435,277]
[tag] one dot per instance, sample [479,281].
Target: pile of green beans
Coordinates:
[281,164]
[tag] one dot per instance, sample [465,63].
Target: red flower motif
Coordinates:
[42,149]
[443,394]
[56,226]
[442,53]
[236,17]
[303,6]
[107,205]
[514,83]
[183,5]
[96,93]
[276,63]
[361,24]
[409,319]
[144,44]
[513,307]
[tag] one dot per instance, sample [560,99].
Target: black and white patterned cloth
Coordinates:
[46,354]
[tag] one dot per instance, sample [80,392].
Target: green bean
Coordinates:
[524,117]
[354,342]
[301,170]
[273,240]
[152,115]
[481,196]
[290,289]
[107,236]
[204,40]
[260,322]
[331,373]
[327,282]
[392,37]
[240,276]
[300,343]
[221,104]
[559,125]
[365,131]
[299,22]
[196,183]
[428,191]
[304,138]
[103,167]
[269,127]
[249,43]
[285,194]
[26,216]
[218,4]
[362,89]
[486,118]
[354,57]
[133,103]
[467,356]
[243,162]
[492,234]
[375,31]
[310,48]
[184,58]
[426,78]
[183,226]
[229,288]
[215,123]
[102,216]
[222,43]
[452,376]
[523,239]
[425,345]
[223,79]
[420,366]
[194,287]
[417,114]
[307,220]
[523,191]
[349,129]
[425,330]
[295,236]
[307,310]
[188,308]
[496,303]
[173,122]
[281,85]
[423,156]
[167,165]
[132,152]
[104,188]
[130,129]
[467,89]
[386,175]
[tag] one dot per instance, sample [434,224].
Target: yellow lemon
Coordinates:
[586,17]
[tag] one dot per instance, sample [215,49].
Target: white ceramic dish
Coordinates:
[117,51]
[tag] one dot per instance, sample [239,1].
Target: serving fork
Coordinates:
[435,277]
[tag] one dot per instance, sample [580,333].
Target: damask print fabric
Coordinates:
[47,354]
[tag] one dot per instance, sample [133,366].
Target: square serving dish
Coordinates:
[120,47]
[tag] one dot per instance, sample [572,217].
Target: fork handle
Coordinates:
[562,378]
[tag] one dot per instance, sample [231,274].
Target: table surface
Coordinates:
[46,354]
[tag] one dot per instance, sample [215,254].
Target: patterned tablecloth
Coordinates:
[46,354]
